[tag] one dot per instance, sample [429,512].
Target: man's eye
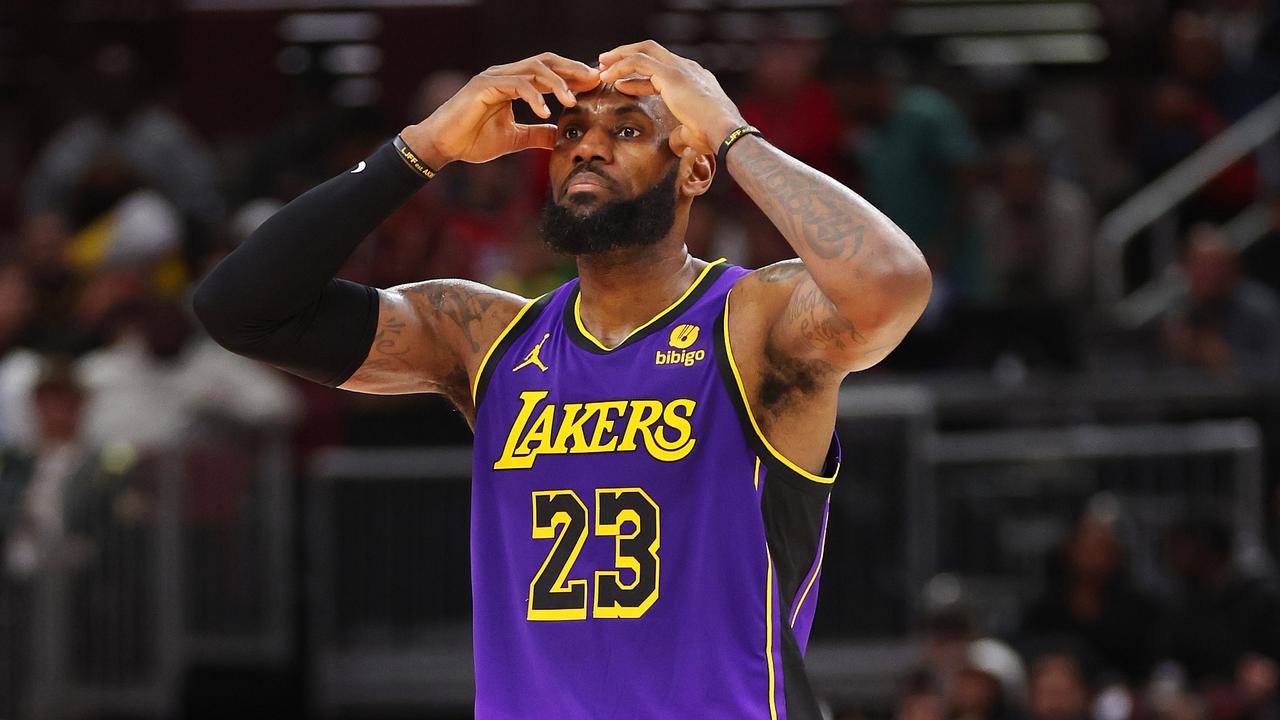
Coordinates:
[629,132]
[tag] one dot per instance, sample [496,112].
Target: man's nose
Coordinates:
[594,145]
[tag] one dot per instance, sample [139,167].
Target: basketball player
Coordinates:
[654,440]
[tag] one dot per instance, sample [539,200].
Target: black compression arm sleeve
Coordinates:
[275,297]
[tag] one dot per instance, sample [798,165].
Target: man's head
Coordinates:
[1058,688]
[616,179]
[58,397]
[1210,263]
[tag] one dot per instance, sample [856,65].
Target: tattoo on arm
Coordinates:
[390,349]
[820,325]
[464,310]
[801,201]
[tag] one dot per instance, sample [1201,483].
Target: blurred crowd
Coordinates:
[122,206]
[1098,644]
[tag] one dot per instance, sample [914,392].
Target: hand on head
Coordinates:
[690,91]
[478,124]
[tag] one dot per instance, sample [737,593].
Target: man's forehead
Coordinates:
[605,100]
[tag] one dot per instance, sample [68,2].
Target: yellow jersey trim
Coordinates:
[475,383]
[822,546]
[577,314]
[768,631]
[742,392]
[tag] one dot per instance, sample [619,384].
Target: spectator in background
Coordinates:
[915,152]
[140,236]
[1255,695]
[41,247]
[484,218]
[533,267]
[1178,122]
[1036,231]
[410,245]
[789,104]
[154,382]
[867,24]
[974,678]
[990,685]
[948,632]
[125,132]
[19,365]
[1227,623]
[795,110]
[1223,321]
[1248,34]
[1006,104]
[1089,597]
[56,493]
[1058,689]
[919,700]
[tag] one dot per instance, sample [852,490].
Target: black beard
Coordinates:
[632,222]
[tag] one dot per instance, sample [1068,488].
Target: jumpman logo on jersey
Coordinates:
[532,358]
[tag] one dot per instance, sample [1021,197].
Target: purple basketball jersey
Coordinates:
[638,549]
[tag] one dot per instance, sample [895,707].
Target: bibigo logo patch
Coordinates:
[682,336]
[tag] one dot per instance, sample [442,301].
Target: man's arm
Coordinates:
[860,283]
[275,298]
[431,337]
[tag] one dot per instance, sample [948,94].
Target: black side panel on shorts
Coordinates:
[802,702]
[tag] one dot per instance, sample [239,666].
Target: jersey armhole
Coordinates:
[524,317]
[776,462]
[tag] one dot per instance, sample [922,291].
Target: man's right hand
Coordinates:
[477,124]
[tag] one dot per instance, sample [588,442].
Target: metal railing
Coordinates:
[388,539]
[237,551]
[185,557]
[1005,499]
[1121,226]
[390,582]
[105,624]
[204,573]
[1145,303]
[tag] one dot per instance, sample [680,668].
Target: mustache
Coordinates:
[588,167]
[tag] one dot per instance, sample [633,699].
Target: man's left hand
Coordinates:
[691,92]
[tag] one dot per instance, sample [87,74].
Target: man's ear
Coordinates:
[696,172]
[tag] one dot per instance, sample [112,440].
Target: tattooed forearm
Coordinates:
[864,280]
[804,204]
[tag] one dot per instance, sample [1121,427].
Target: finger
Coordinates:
[636,86]
[535,136]
[637,64]
[548,81]
[512,87]
[579,76]
[646,47]
[678,140]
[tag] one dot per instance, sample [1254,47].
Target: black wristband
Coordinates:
[412,160]
[732,138]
